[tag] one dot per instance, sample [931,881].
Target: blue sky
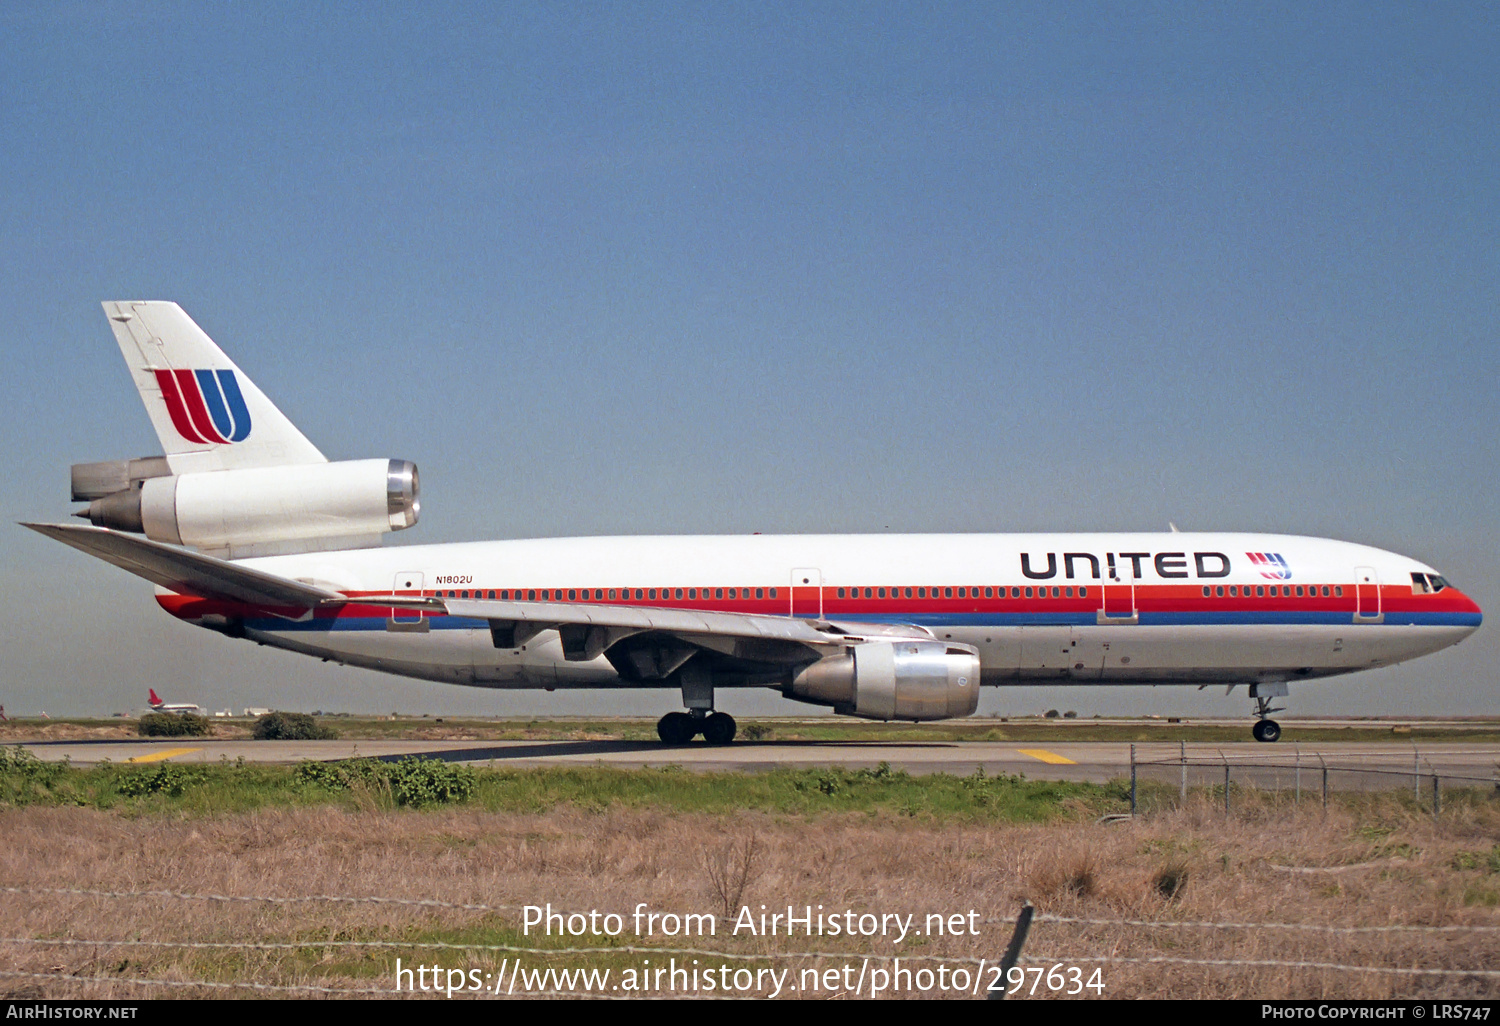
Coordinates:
[717,268]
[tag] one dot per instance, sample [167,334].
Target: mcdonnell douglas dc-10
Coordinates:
[247,529]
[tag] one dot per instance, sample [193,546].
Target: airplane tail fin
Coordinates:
[154,700]
[207,413]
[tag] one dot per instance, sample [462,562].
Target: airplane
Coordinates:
[157,705]
[247,529]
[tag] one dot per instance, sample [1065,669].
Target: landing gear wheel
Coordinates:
[1266,730]
[676,728]
[718,729]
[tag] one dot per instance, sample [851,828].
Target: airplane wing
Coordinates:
[651,643]
[189,573]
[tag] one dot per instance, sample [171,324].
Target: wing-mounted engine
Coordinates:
[255,511]
[900,680]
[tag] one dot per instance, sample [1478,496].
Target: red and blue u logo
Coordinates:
[205,405]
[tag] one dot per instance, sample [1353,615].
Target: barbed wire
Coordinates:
[1041,917]
[307,988]
[1207,924]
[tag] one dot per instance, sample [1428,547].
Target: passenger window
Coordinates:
[1299,591]
[1083,593]
[1028,593]
[1056,592]
[1016,592]
[961,593]
[867,593]
[841,593]
[908,593]
[921,593]
[1219,591]
[948,593]
[651,594]
[761,592]
[611,594]
[677,593]
[718,593]
[1068,592]
[1206,591]
[1338,590]
[1325,591]
[733,593]
[492,595]
[882,593]
[989,592]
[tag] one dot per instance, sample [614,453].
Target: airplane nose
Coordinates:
[1473,616]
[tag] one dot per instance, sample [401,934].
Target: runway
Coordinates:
[1361,765]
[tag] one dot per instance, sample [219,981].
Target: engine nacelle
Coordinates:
[901,680]
[269,510]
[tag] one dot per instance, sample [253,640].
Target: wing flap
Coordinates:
[189,573]
[650,618]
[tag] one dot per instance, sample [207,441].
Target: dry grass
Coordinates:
[1185,865]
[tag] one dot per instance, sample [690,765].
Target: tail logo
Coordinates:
[205,405]
[1272,565]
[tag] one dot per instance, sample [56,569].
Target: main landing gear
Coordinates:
[1267,729]
[678,728]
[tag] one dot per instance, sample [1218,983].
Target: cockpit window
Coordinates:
[1428,584]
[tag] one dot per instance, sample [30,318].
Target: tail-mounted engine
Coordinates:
[902,680]
[257,511]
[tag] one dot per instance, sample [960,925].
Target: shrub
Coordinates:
[344,774]
[285,726]
[418,782]
[164,779]
[172,725]
[1171,880]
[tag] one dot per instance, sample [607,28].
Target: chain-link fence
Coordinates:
[1307,773]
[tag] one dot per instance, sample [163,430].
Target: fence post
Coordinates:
[1325,782]
[1182,788]
[1013,950]
[1226,784]
[1299,774]
[1132,780]
[1437,797]
[1416,777]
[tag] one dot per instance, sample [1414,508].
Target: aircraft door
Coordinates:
[1117,601]
[1367,596]
[807,593]
[408,582]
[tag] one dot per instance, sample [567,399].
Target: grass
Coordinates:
[1373,860]
[369,785]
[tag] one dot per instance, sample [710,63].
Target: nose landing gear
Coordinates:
[1267,729]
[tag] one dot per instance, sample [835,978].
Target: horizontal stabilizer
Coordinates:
[189,573]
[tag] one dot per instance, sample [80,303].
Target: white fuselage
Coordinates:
[1076,608]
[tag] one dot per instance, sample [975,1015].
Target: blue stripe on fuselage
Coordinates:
[1147,618]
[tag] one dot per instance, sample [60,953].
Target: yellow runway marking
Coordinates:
[159,756]
[1042,755]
